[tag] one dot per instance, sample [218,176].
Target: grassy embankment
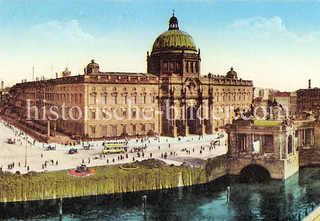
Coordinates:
[137,176]
[107,179]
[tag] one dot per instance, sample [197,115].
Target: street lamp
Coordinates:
[25,158]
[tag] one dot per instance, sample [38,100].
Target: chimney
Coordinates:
[309,86]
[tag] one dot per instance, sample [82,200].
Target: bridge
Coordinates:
[263,149]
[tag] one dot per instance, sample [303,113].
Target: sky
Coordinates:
[273,43]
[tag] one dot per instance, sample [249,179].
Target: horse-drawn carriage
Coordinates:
[11,141]
[73,150]
[49,147]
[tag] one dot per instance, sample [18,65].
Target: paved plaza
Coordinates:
[29,155]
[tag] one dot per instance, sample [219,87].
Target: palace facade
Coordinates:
[171,99]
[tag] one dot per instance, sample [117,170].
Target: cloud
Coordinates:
[60,44]
[259,23]
[69,30]
[267,52]
[61,37]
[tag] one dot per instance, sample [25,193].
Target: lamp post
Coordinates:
[2,84]
[25,157]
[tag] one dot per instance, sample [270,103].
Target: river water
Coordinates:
[272,200]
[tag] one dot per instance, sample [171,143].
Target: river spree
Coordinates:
[272,200]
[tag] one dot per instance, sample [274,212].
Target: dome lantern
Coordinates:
[173,23]
[232,74]
[92,68]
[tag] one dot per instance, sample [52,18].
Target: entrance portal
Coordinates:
[192,119]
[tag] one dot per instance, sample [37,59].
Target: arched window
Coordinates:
[80,98]
[290,149]
[124,98]
[103,98]
[151,98]
[134,98]
[76,98]
[143,98]
[134,129]
[114,98]
[93,98]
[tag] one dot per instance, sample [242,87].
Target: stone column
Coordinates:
[174,131]
[249,142]
[185,120]
[210,120]
[48,129]
[277,145]
[203,129]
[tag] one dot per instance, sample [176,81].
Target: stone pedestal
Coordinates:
[202,129]
[186,130]
[175,131]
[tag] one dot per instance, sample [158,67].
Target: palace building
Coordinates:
[171,99]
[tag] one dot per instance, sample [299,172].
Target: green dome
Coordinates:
[174,40]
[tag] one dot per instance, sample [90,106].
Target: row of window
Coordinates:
[135,114]
[119,129]
[226,97]
[72,98]
[191,66]
[71,88]
[124,98]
